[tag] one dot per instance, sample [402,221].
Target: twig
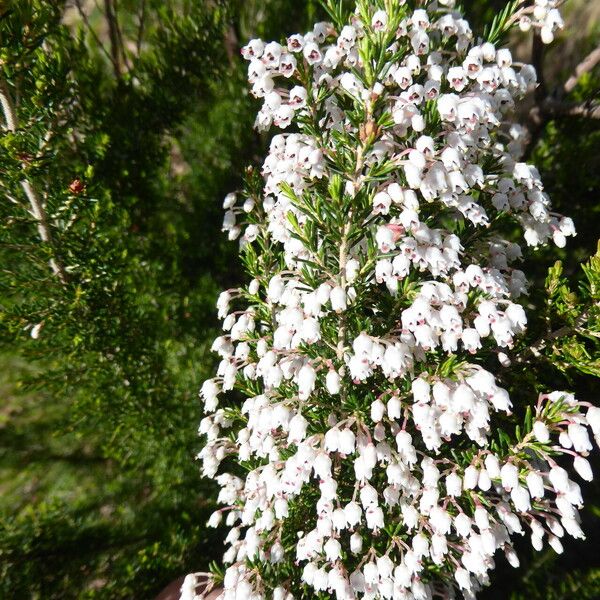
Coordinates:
[585,66]
[231,44]
[113,34]
[541,344]
[122,48]
[37,207]
[141,27]
[537,119]
[343,258]
[554,108]
[93,33]
[548,106]
[538,50]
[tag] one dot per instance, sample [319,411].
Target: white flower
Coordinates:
[346,441]
[297,429]
[322,466]
[510,476]
[379,21]
[223,304]
[332,381]
[381,203]
[210,391]
[385,239]
[333,549]
[593,419]
[580,438]
[582,466]
[420,390]
[394,408]
[440,520]
[559,478]
[492,465]
[535,484]
[312,54]
[338,299]
[463,579]
[453,485]
[520,497]
[540,430]
[277,554]
[306,381]
[471,340]
[353,514]
[215,519]
[554,542]
[471,478]
[377,411]
[188,588]
[374,517]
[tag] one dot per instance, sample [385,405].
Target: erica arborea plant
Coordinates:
[372,449]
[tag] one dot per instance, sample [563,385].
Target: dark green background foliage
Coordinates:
[132,129]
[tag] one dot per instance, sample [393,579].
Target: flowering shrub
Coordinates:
[376,453]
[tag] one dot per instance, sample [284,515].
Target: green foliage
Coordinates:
[101,497]
[495,31]
[577,345]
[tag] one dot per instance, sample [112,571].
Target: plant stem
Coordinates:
[35,202]
[343,259]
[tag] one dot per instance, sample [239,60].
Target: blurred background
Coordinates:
[134,122]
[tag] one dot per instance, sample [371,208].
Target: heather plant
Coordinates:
[121,123]
[377,445]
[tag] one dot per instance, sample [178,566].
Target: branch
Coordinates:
[555,108]
[122,48]
[8,108]
[231,44]
[538,50]
[141,28]
[113,32]
[549,106]
[93,33]
[585,66]
[36,205]
[538,347]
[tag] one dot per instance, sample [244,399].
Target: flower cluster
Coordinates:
[383,283]
[545,16]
